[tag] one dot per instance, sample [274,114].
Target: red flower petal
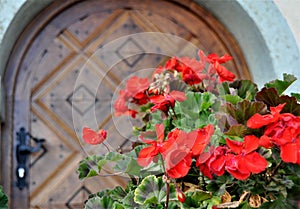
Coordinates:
[212,58]
[266,142]
[276,110]
[146,155]
[178,163]
[202,139]
[224,74]
[160,132]
[92,137]
[157,99]
[178,95]
[136,84]
[203,157]
[254,162]
[289,152]
[251,143]
[235,146]
[232,168]
[218,165]
[180,195]
[257,120]
[298,148]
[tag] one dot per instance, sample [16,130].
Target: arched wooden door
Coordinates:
[59,46]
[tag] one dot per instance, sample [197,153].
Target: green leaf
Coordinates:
[296,95]
[129,202]
[194,199]
[244,110]
[282,85]
[279,203]
[212,202]
[194,111]
[155,118]
[195,103]
[118,193]
[294,169]
[236,130]
[128,162]
[88,166]
[152,190]
[99,203]
[223,88]
[245,89]
[233,99]
[152,169]
[271,98]
[118,206]
[3,199]
[245,205]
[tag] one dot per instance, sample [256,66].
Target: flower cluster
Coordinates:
[208,140]
[238,158]
[282,130]
[177,150]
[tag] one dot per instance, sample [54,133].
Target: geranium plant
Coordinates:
[207,141]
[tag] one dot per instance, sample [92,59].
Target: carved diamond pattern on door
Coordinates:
[65,47]
[52,96]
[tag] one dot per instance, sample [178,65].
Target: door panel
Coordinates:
[52,103]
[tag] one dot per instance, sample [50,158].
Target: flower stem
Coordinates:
[277,168]
[174,112]
[167,183]
[106,147]
[168,195]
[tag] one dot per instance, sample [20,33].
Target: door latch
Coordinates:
[23,150]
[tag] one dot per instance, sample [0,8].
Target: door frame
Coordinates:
[12,69]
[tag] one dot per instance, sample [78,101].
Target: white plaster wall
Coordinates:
[8,8]
[290,10]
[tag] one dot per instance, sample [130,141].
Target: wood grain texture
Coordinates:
[44,94]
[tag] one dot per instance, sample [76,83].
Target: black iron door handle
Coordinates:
[23,150]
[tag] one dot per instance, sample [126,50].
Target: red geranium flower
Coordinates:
[245,160]
[282,130]
[202,139]
[121,105]
[213,161]
[179,155]
[196,65]
[214,58]
[180,195]
[290,152]
[216,61]
[178,163]
[135,92]
[285,133]
[178,158]
[190,77]
[92,137]
[135,85]
[258,120]
[148,154]
[164,102]
[174,64]
[224,74]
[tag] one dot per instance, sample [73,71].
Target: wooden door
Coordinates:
[64,72]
